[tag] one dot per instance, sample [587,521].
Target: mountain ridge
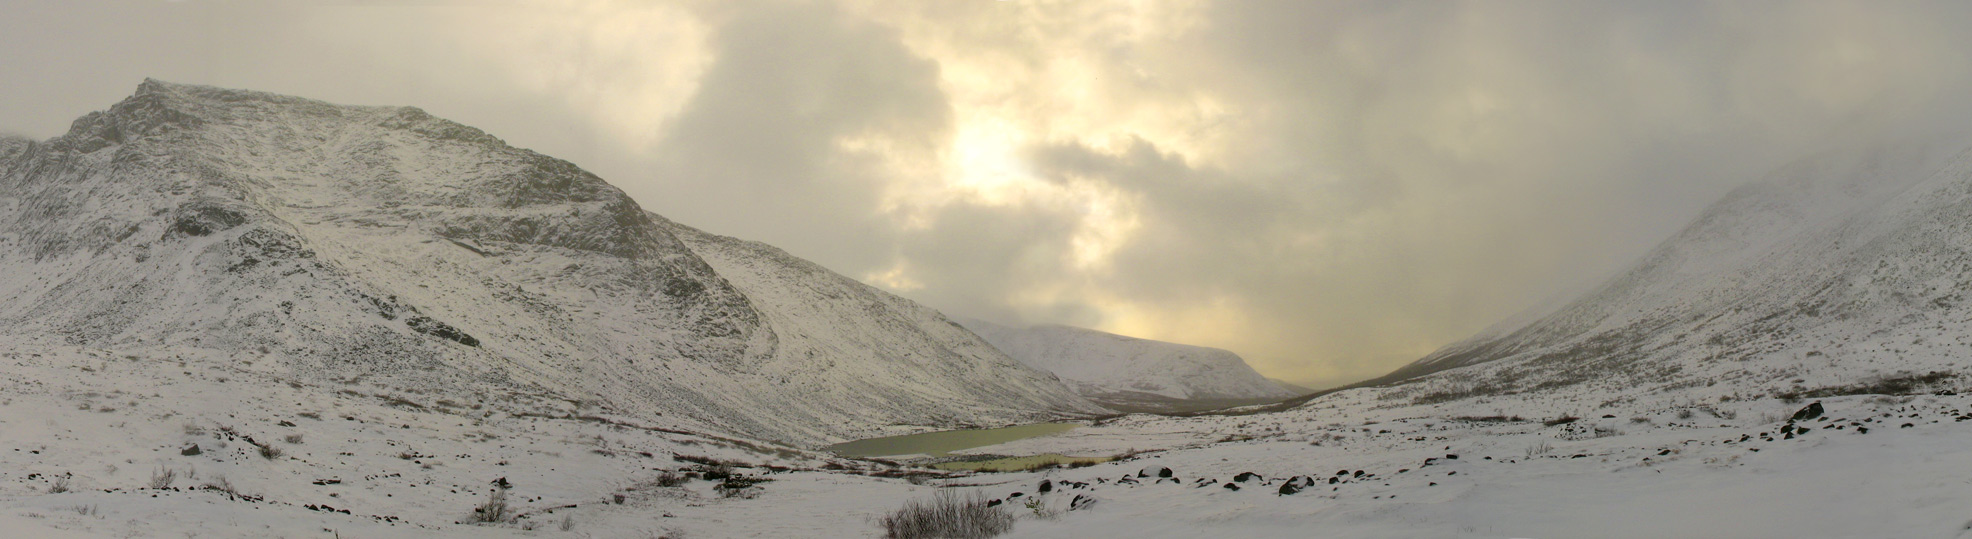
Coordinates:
[1770,290]
[1132,373]
[352,241]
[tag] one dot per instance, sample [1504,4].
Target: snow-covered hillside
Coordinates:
[1132,373]
[381,243]
[98,442]
[1841,268]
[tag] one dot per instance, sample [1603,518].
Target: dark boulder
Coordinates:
[1812,411]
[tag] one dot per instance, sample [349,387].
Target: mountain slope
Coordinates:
[348,242]
[1842,267]
[1132,373]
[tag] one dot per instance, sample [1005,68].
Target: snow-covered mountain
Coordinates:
[1132,373]
[345,243]
[1848,267]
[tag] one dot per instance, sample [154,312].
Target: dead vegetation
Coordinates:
[946,514]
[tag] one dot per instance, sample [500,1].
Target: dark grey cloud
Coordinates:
[974,258]
[764,149]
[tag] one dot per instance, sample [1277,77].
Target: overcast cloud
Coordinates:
[1329,189]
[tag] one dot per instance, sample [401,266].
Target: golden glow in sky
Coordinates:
[1329,189]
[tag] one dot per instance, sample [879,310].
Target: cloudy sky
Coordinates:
[1330,189]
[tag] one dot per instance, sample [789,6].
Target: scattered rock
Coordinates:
[1812,411]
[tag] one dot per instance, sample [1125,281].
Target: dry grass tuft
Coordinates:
[947,515]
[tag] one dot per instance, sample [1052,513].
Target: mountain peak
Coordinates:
[159,108]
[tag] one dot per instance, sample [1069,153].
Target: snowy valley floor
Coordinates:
[364,459]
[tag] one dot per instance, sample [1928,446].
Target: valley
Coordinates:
[237,314]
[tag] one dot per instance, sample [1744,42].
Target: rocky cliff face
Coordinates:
[346,242]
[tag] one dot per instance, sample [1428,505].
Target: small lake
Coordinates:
[1014,464]
[939,444]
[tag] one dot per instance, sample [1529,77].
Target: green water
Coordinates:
[1011,464]
[938,444]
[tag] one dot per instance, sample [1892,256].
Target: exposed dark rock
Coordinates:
[428,326]
[205,219]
